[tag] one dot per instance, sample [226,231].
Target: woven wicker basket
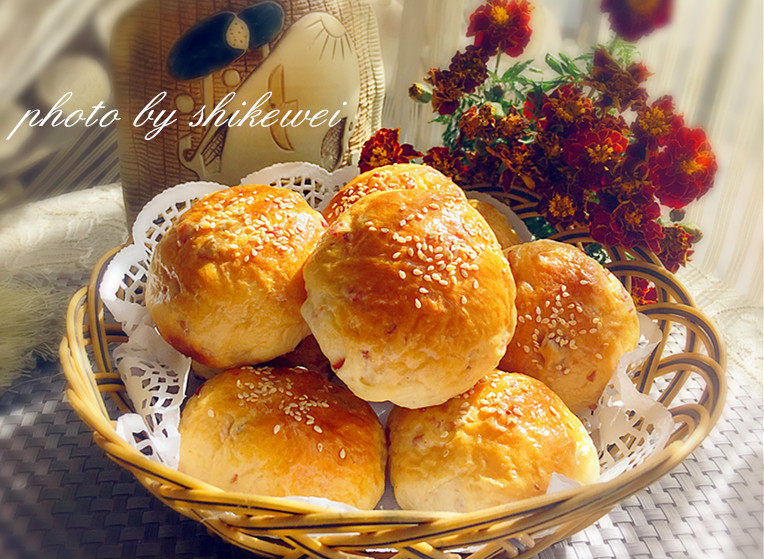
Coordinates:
[685,373]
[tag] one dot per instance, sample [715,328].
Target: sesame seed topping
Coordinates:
[317,429]
[276,429]
[402,274]
[210,412]
[343,454]
[418,303]
[464,300]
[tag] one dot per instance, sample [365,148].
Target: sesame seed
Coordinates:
[418,303]
[210,412]
[343,453]
[464,300]
[598,355]
[402,274]
[276,429]
[317,429]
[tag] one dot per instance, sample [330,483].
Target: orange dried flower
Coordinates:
[478,122]
[512,126]
[383,148]
[448,89]
[619,88]
[675,247]
[442,159]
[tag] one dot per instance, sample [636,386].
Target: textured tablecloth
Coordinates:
[61,497]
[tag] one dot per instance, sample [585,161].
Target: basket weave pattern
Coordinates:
[685,373]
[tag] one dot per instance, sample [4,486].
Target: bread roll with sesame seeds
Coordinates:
[575,320]
[499,442]
[498,223]
[404,176]
[410,297]
[281,433]
[225,283]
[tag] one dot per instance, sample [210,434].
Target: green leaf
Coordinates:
[539,227]
[553,64]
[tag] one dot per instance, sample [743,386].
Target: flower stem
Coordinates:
[496,68]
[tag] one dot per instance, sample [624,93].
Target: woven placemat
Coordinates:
[60,497]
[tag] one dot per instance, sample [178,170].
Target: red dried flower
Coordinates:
[656,122]
[595,150]
[643,292]
[684,170]
[482,169]
[383,148]
[448,163]
[501,25]
[627,223]
[675,247]
[478,122]
[633,19]
[448,89]
[470,67]
[566,107]
[619,88]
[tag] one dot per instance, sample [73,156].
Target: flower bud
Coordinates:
[420,92]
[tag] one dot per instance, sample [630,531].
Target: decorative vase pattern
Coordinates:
[310,54]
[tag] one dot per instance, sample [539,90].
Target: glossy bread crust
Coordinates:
[410,297]
[284,432]
[575,320]
[225,284]
[499,442]
[405,176]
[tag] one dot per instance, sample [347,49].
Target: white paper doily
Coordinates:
[155,374]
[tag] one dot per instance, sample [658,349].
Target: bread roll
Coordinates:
[225,284]
[405,176]
[283,432]
[499,442]
[499,224]
[575,320]
[410,297]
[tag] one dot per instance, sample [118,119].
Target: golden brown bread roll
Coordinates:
[225,284]
[410,297]
[403,176]
[499,224]
[575,320]
[283,432]
[499,442]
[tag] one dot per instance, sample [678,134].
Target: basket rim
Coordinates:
[85,305]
